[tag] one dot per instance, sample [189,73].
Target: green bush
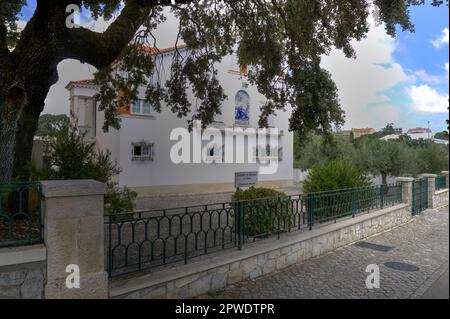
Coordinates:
[119,201]
[73,156]
[266,211]
[335,175]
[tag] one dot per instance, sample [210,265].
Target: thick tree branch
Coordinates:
[3,41]
[101,49]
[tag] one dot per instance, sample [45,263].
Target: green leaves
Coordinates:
[334,175]
[281,42]
[9,11]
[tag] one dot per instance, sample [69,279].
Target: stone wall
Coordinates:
[225,268]
[25,281]
[440,198]
[22,272]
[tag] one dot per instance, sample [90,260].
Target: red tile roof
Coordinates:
[419,130]
[363,130]
[88,82]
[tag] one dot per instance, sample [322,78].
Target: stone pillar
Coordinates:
[74,235]
[406,189]
[445,173]
[431,179]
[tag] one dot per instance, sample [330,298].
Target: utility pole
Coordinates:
[428,129]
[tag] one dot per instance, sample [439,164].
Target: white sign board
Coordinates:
[245,179]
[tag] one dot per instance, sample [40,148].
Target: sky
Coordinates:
[402,80]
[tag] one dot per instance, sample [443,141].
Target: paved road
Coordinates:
[439,289]
[161,202]
[423,244]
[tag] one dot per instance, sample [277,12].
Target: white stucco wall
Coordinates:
[157,129]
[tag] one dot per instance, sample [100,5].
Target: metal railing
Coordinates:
[441,183]
[148,239]
[330,206]
[419,196]
[20,213]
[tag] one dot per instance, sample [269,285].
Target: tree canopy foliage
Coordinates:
[404,156]
[334,175]
[49,123]
[281,41]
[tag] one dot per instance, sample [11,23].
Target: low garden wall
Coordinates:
[440,198]
[22,272]
[216,271]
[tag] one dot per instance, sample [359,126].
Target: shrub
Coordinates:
[265,211]
[119,201]
[72,156]
[335,175]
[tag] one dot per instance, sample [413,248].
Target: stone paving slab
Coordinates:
[423,242]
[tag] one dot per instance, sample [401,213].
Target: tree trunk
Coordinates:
[8,130]
[28,72]
[27,126]
[11,108]
[384,178]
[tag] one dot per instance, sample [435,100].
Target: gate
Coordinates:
[419,196]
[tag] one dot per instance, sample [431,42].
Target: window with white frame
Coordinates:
[142,151]
[141,107]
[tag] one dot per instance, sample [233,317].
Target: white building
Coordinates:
[420,133]
[142,146]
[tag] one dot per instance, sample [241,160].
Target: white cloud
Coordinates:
[446,66]
[442,40]
[424,77]
[361,80]
[427,100]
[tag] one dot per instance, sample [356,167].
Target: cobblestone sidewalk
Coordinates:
[422,243]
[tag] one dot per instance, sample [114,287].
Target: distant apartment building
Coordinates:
[347,134]
[358,132]
[398,131]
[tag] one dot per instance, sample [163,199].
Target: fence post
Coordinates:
[354,203]
[240,224]
[382,189]
[74,234]
[445,173]
[407,185]
[310,210]
[431,180]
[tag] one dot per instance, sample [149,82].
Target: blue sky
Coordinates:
[402,80]
[424,51]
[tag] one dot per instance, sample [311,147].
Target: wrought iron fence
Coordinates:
[147,239]
[419,196]
[20,213]
[332,205]
[440,183]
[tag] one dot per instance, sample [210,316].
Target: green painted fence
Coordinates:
[20,213]
[149,239]
[440,183]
